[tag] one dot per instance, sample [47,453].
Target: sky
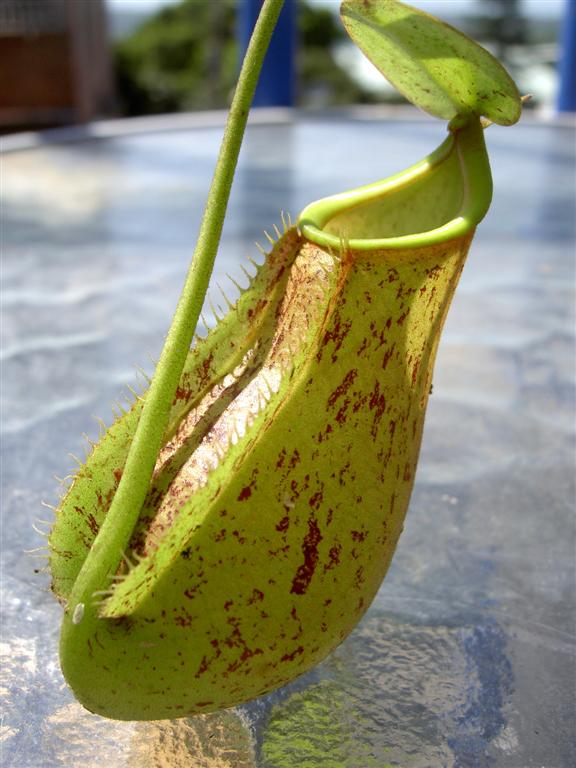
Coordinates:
[531,8]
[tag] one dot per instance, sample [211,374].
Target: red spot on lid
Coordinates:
[305,572]
[245,493]
[343,387]
[333,560]
[283,524]
[292,656]
[402,317]
[316,500]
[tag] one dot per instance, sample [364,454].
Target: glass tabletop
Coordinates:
[467,655]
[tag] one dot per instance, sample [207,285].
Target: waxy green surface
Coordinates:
[281,489]
[230,530]
[433,65]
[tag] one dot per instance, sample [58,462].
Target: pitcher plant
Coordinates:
[230,530]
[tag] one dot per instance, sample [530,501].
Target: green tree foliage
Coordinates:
[505,25]
[186,57]
[322,81]
[182,58]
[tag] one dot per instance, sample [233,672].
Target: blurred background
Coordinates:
[467,656]
[73,61]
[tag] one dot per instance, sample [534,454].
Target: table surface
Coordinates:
[467,655]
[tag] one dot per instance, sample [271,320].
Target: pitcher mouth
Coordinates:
[442,197]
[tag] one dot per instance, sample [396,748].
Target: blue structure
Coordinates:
[567,94]
[277,85]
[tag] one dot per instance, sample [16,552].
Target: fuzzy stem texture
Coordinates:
[114,535]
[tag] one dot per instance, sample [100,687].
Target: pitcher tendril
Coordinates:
[231,529]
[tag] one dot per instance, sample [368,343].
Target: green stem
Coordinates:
[114,536]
